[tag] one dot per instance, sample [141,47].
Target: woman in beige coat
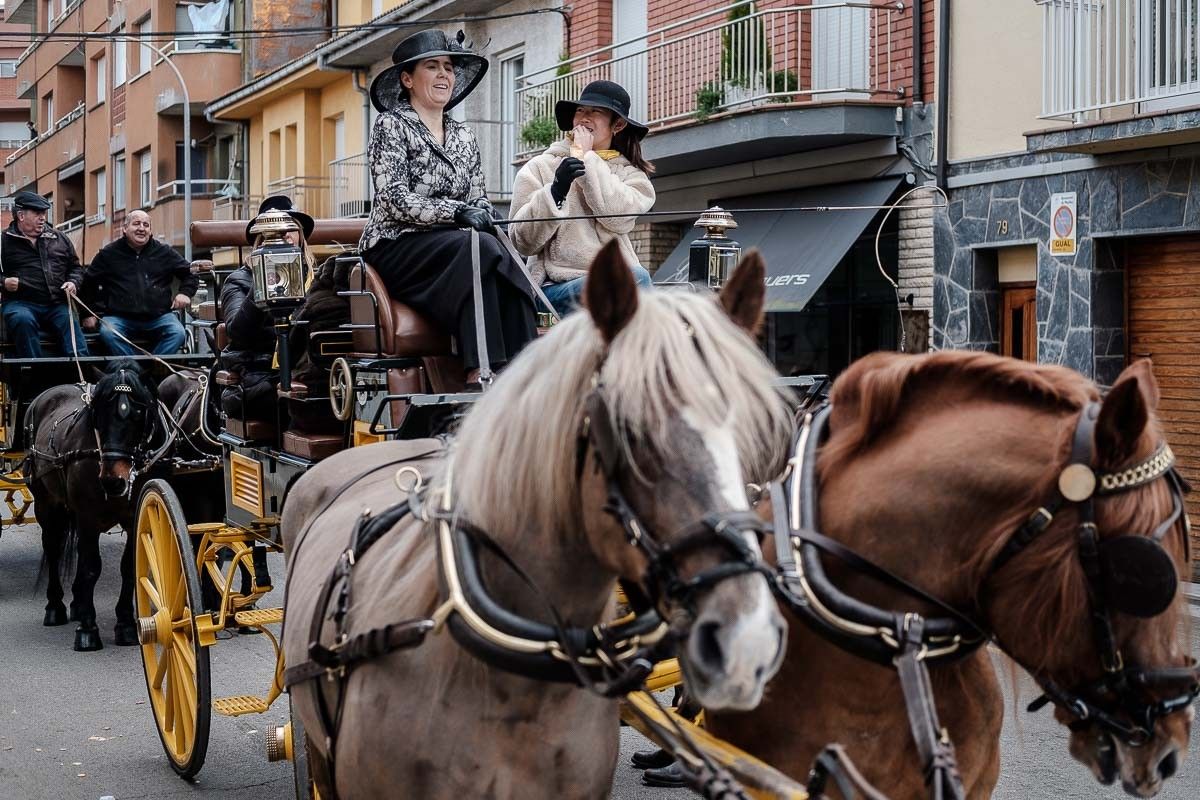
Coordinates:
[597,169]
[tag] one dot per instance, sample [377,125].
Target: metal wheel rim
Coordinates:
[341,389]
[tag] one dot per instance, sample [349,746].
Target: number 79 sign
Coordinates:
[1062,224]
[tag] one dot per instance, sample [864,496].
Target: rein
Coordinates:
[909,642]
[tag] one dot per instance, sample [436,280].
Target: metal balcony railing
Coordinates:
[309,193]
[200,186]
[710,63]
[349,186]
[1100,54]
[72,115]
[498,148]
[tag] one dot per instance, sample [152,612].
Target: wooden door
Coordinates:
[1163,324]
[1018,323]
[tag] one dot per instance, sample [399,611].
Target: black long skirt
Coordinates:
[431,271]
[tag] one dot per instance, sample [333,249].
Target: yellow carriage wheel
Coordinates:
[168,597]
[306,788]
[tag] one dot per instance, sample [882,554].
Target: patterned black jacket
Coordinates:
[419,183]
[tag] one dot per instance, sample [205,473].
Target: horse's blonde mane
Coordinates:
[514,460]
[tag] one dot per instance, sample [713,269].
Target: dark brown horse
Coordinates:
[85,447]
[931,465]
[682,413]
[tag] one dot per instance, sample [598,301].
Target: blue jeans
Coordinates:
[565,296]
[165,331]
[24,323]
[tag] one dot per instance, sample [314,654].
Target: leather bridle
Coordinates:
[1130,573]
[662,579]
[909,642]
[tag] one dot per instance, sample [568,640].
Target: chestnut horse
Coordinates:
[631,429]
[931,465]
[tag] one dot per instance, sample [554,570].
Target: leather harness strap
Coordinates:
[485,365]
[934,747]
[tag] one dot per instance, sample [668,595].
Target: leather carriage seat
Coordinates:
[312,446]
[402,332]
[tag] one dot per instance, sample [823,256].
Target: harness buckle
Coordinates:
[1112,666]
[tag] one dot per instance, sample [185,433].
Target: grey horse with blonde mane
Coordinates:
[696,415]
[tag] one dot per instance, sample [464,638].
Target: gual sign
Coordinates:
[1062,224]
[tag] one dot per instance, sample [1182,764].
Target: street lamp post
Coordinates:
[187,143]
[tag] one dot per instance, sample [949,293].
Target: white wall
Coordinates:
[995,77]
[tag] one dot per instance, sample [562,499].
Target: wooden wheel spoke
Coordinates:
[169,694]
[187,686]
[160,668]
[152,594]
[183,648]
[151,557]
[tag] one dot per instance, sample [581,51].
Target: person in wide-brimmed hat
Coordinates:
[250,332]
[429,191]
[597,168]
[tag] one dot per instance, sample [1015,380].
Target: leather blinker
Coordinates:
[1140,578]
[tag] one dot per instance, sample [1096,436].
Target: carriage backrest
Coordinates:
[400,332]
[232,233]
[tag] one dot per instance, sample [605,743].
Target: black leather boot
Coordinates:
[651,759]
[669,777]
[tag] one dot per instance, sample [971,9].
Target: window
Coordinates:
[8,68]
[143,55]
[48,112]
[511,70]
[118,183]
[199,168]
[101,193]
[101,65]
[120,60]
[145,184]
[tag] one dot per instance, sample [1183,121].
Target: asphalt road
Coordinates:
[77,725]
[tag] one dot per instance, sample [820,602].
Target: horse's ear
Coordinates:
[610,295]
[1126,412]
[744,296]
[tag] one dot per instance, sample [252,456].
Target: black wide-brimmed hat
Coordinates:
[599,94]
[281,202]
[387,90]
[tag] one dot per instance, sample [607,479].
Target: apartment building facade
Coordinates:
[1072,235]
[14,111]
[793,105]
[108,109]
[306,124]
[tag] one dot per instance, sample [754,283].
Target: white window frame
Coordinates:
[145,56]
[101,182]
[120,60]
[145,178]
[101,63]
[510,106]
[8,68]
[118,183]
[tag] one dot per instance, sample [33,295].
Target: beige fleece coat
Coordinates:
[563,249]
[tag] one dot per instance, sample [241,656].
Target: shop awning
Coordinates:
[801,248]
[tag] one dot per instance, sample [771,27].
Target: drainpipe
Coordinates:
[943,89]
[918,56]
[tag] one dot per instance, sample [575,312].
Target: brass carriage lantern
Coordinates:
[714,255]
[280,270]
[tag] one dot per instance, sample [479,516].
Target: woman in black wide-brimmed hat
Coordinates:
[428,181]
[597,168]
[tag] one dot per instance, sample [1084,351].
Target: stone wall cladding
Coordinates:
[1080,299]
[916,251]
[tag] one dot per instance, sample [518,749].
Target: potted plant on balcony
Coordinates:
[745,57]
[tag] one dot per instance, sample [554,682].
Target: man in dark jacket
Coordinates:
[40,269]
[131,278]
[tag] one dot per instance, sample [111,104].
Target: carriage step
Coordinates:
[258,616]
[239,704]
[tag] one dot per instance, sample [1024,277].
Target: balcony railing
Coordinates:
[231,208]
[709,64]
[498,148]
[1100,54]
[310,193]
[200,187]
[72,115]
[349,186]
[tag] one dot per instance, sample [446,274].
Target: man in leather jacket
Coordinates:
[131,279]
[40,269]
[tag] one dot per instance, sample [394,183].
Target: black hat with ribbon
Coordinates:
[599,94]
[281,202]
[387,91]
